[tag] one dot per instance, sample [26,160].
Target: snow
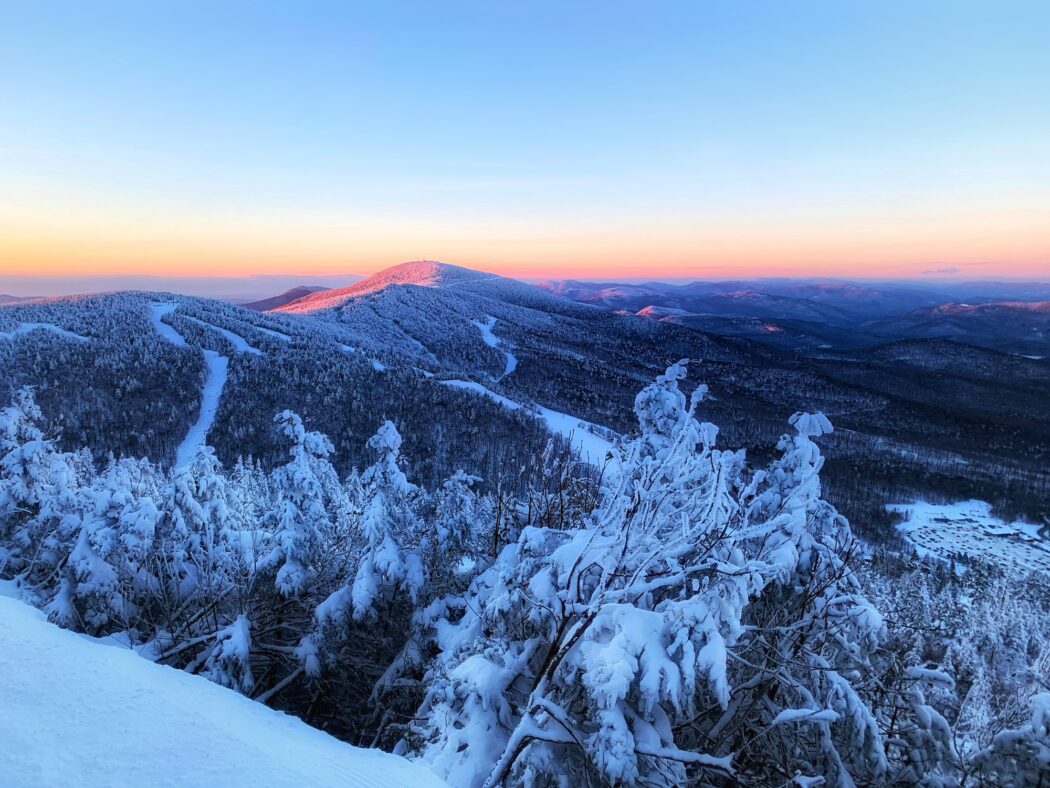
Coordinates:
[582,435]
[969,528]
[420,273]
[239,342]
[805,715]
[158,311]
[492,340]
[218,367]
[477,388]
[78,712]
[25,328]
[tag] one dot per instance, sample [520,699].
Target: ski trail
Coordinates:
[238,342]
[25,328]
[217,372]
[158,311]
[494,341]
[271,333]
[582,435]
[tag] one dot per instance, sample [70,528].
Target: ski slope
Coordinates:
[969,528]
[582,435]
[156,314]
[239,343]
[217,371]
[25,328]
[77,712]
[494,341]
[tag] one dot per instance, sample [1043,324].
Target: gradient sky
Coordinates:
[698,139]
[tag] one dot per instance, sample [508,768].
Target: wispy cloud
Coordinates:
[952,269]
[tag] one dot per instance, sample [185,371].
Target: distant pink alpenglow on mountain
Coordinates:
[422,273]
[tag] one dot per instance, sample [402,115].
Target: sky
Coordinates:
[537,139]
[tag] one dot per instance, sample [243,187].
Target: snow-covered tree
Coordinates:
[38,490]
[388,523]
[699,623]
[108,569]
[1020,756]
[308,499]
[200,548]
[383,564]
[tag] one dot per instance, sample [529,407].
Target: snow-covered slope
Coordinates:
[432,274]
[80,712]
[422,273]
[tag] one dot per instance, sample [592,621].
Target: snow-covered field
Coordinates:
[75,711]
[969,528]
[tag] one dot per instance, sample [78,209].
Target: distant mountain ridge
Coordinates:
[266,304]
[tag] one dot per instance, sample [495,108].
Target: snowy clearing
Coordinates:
[218,369]
[238,342]
[25,328]
[492,340]
[969,528]
[158,311]
[78,712]
[582,435]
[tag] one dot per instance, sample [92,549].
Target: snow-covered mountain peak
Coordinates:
[421,273]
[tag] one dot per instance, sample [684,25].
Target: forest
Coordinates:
[681,614]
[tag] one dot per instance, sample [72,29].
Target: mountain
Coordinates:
[266,304]
[479,370]
[97,698]
[433,274]
[829,302]
[10,299]
[1012,326]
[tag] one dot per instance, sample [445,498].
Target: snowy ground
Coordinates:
[492,340]
[78,712]
[583,436]
[218,367]
[970,528]
[25,328]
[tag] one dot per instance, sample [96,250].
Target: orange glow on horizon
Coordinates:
[980,244]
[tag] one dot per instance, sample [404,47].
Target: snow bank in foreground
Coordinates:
[78,712]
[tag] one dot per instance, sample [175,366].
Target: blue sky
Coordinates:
[676,138]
